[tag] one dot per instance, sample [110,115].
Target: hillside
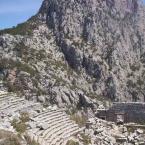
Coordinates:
[75,52]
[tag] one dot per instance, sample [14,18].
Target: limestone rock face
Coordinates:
[104,38]
[79,51]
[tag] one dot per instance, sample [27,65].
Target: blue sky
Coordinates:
[13,12]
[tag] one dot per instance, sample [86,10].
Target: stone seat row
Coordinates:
[49,131]
[10,100]
[7,98]
[47,115]
[11,103]
[56,134]
[65,137]
[6,94]
[47,112]
[57,128]
[58,140]
[49,124]
[51,118]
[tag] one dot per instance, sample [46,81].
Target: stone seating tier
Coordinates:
[50,127]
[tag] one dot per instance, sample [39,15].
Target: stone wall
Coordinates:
[131,112]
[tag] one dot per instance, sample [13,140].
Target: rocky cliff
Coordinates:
[74,52]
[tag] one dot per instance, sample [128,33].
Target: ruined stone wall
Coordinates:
[132,112]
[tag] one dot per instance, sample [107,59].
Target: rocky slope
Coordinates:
[107,133]
[74,52]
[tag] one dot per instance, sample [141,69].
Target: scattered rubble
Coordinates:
[108,133]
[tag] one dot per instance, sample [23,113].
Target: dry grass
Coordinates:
[24,117]
[20,125]
[29,141]
[8,138]
[79,119]
[86,139]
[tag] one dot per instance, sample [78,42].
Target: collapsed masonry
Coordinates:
[46,126]
[124,112]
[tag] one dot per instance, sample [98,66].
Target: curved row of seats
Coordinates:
[11,103]
[58,128]
[51,127]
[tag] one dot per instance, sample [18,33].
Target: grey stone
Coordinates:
[32,125]
[41,99]
[139,131]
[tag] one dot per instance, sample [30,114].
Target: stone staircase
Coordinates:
[56,128]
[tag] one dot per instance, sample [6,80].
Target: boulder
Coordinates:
[41,99]
[31,125]
[139,131]
[43,126]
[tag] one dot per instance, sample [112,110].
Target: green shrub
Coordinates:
[21,29]
[24,117]
[10,64]
[11,87]
[71,142]
[135,67]
[19,126]
[130,129]
[86,139]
